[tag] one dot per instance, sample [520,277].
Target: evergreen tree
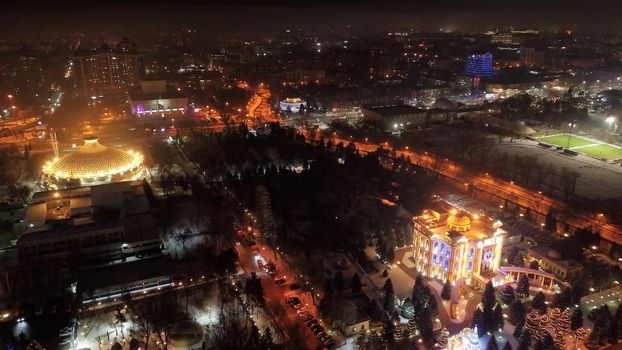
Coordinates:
[388,286]
[361,341]
[524,341]
[488,297]
[517,313]
[412,327]
[591,343]
[613,333]
[492,343]
[388,333]
[374,342]
[507,294]
[550,222]
[547,342]
[563,299]
[389,302]
[478,321]
[266,339]
[576,320]
[497,317]
[518,331]
[356,285]
[538,303]
[522,287]
[538,345]
[446,291]
[338,281]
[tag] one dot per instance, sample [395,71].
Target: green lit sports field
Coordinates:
[583,145]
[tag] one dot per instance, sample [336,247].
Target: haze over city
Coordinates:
[348,174]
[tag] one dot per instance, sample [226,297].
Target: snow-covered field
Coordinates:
[597,179]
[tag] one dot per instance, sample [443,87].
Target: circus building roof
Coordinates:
[94,162]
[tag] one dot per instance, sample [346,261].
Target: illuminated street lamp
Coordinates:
[610,121]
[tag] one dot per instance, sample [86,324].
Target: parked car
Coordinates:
[306,317]
[317,330]
[293,301]
[311,322]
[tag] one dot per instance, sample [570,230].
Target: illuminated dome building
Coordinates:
[455,245]
[93,164]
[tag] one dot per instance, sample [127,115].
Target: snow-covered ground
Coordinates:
[597,179]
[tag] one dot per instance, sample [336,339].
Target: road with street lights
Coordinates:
[501,189]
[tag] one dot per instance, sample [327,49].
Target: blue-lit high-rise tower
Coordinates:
[479,66]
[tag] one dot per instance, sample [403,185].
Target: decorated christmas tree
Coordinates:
[399,331]
[412,328]
[361,341]
[543,330]
[561,324]
[472,340]
[532,324]
[591,343]
[581,334]
[441,341]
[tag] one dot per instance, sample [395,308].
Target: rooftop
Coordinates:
[68,211]
[392,110]
[444,225]
[93,160]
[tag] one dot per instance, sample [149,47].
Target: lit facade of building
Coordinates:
[456,245]
[479,66]
[292,104]
[106,70]
[93,164]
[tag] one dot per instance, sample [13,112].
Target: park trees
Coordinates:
[355,284]
[522,288]
[507,294]
[446,291]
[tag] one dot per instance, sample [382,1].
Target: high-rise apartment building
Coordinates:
[105,70]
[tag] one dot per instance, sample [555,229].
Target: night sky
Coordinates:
[266,16]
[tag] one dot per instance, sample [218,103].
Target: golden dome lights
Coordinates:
[94,163]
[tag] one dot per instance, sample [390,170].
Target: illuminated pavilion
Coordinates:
[93,164]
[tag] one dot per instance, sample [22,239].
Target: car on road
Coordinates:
[328,342]
[293,301]
[312,322]
[298,306]
[321,335]
[306,317]
[317,329]
[280,281]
